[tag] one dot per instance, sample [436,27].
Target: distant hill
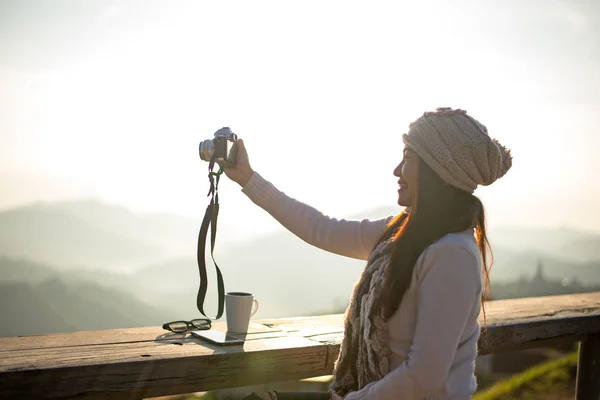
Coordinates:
[91,235]
[511,264]
[586,249]
[87,241]
[563,243]
[292,277]
[25,271]
[173,233]
[24,312]
[288,276]
[55,306]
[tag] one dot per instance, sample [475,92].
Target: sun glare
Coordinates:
[320,98]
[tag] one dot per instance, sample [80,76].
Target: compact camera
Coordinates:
[221,148]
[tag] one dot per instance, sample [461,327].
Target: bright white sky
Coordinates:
[110,100]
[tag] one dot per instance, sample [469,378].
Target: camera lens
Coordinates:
[206,149]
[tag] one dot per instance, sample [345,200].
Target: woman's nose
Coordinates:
[398,170]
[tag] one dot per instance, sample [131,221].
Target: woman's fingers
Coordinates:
[242,171]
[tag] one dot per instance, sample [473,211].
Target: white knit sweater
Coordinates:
[433,334]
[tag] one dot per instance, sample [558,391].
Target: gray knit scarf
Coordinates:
[364,353]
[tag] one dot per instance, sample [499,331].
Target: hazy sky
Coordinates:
[110,99]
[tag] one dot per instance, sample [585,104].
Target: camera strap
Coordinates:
[210,220]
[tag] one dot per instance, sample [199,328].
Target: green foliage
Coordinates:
[535,383]
[204,396]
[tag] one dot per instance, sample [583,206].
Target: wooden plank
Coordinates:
[502,312]
[152,362]
[511,323]
[303,322]
[509,336]
[108,336]
[498,311]
[516,323]
[548,307]
[82,356]
[155,369]
[588,369]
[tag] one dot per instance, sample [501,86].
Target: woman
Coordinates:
[411,326]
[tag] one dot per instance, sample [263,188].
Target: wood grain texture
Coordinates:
[157,368]
[145,362]
[103,337]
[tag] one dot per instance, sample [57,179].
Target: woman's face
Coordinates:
[407,172]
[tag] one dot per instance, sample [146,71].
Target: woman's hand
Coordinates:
[242,171]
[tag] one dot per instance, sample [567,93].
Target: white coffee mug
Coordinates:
[238,308]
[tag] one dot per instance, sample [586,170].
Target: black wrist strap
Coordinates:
[210,220]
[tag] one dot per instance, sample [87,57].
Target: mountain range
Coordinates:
[53,306]
[90,235]
[128,269]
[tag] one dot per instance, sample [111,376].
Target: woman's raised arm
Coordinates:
[353,239]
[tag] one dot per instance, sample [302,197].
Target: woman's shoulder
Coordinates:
[455,251]
[456,241]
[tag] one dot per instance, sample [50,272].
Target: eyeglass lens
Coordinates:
[201,323]
[184,326]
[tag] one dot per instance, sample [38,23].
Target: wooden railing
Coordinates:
[147,362]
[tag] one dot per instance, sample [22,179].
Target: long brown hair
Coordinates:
[438,209]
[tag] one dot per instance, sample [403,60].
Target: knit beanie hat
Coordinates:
[458,148]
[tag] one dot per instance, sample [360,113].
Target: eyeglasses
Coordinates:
[184,326]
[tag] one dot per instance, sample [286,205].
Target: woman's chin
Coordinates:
[403,201]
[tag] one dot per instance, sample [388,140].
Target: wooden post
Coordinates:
[588,369]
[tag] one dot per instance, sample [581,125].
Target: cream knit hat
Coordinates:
[457,147]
